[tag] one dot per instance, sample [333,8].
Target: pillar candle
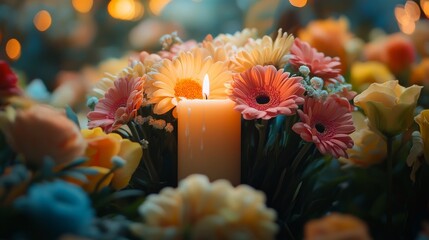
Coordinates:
[209,139]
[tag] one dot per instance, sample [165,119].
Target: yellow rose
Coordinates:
[369,147]
[423,120]
[364,73]
[328,36]
[389,106]
[101,149]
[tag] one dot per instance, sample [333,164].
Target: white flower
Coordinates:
[198,208]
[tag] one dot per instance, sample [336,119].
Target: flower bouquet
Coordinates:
[120,172]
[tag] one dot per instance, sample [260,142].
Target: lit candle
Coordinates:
[209,136]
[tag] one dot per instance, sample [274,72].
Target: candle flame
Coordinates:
[206,87]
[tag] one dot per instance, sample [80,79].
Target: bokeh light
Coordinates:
[424,4]
[156,6]
[407,15]
[412,9]
[407,27]
[13,49]
[82,6]
[125,9]
[298,3]
[400,14]
[42,20]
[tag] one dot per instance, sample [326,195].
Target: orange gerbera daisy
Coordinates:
[264,52]
[263,92]
[182,78]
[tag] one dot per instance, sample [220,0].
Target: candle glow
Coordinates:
[209,137]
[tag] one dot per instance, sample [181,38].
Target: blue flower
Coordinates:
[57,208]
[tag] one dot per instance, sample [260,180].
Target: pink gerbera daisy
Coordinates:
[326,68]
[119,105]
[263,92]
[328,124]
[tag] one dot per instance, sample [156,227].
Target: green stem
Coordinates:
[289,232]
[389,185]
[97,187]
[280,185]
[296,162]
[262,127]
[147,160]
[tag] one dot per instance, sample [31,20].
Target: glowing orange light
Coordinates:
[298,3]
[138,11]
[156,6]
[82,6]
[412,9]
[125,9]
[42,21]
[206,86]
[13,49]
[424,4]
[407,27]
[400,14]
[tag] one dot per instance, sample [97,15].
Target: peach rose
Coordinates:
[336,226]
[420,74]
[423,120]
[399,53]
[389,106]
[40,131]
[396,51]
[329,36]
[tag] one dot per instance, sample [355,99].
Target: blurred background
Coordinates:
[51,39]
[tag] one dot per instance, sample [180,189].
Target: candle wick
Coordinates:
[205,96]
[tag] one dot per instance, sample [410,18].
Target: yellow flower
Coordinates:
[416,154]
[264,52]
[101,149]
[420,73]
[100,87]
[40,131]
[200,208]
[389,106]
[423,120]
[369,147]
[336,226]
[219,51]
[365,73]
[329,36]
[239,39]
[183,78]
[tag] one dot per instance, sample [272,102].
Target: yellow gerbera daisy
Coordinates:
[239,39]
[182,78]
[218,51]
[264,52]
